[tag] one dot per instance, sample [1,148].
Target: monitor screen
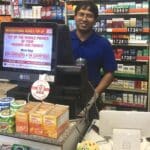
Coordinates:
[28,47]
[28,50]
[32,49]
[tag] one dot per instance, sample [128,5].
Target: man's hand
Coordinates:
[96,95]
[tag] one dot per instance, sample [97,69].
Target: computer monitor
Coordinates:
[29,49]
[132,120]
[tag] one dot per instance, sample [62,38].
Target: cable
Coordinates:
[80,134]
[28,97]
[96,108]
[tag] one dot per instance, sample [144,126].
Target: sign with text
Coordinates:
[28,48]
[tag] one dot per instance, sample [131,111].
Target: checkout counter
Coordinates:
[67,141]
[79,129]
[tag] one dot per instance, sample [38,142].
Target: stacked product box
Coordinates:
[36,118]
[56,121]
[44,119]
[22,117]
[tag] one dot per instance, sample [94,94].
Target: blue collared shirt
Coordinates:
[98,53]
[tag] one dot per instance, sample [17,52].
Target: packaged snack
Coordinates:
[22,117]
[56,121]
[7,121]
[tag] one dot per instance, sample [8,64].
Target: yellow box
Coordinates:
[36,118]
[22,117]
[56,121]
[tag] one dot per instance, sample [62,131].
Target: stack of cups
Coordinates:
[15,105]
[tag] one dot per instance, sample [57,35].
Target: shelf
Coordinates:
[117,88]
[132,44]
[111,13]
[59,21]
[136,43]
[138,59]
[127,75]
[32,4]
[123,104]
[132,61]
[5,18]
[125,30]
[142,58]
[127,41]
[131,10]
[124,14]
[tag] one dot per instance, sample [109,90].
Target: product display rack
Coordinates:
[126,25]
[30,10]
[5,11]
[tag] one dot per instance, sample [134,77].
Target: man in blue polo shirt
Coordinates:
[94,48]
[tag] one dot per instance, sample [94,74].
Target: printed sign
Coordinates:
[40,89]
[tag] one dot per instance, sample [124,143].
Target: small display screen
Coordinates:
[28,48]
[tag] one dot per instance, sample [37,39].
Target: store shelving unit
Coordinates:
[125,24]
[5,11]
[36,10]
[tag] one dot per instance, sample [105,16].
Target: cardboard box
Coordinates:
[36,118]
[22,117]
[56,121]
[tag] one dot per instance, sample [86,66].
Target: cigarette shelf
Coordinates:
[118,74]
[126,25]
[128,75]
[125,30]
[141,11]
[131,10]
[119,88]
[5,18]
[135,43]
[137,59]
[124,105]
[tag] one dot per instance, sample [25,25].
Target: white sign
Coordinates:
[40,89]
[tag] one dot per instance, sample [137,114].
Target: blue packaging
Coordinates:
[5,102]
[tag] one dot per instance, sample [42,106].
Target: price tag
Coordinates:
[40,89]
[120,41]
[121,10]
[134,29]
[100,29]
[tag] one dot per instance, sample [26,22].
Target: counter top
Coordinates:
[4,87]
[66,141]
[59,141]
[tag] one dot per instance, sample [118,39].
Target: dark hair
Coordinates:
[91,6]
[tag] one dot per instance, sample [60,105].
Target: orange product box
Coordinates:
[22,117]
[56,121]
[6,19]
[36,118]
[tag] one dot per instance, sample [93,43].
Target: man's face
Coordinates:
[84,20]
